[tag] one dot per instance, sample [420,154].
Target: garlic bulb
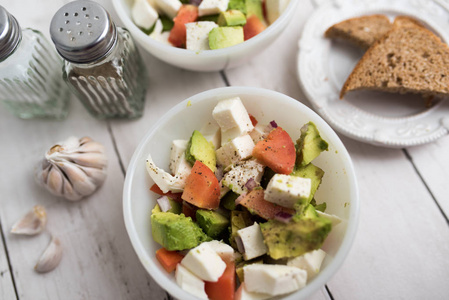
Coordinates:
[73,169]
[32,223]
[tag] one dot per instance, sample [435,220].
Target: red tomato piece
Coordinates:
[186,14]
[224,288]
[253,27]
[253,119]
[168,259]
[254,201]
[202,188]
[277,151]
[175,196]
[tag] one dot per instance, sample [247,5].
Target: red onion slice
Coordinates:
[239,243]
[250,184]
[219,172]
[283,217]
[164,204]
[239,198]
[273,124]
[195,2]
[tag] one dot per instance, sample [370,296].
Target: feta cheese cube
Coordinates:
[258,133]
[273,279]
[275,8]
[212,7]
[234,151]
[231,113]
[243,294]
[334,219]
[239,175]
[252,240]
[189,282]
[310,262]
[204,262]
[223,250]
[230,134]
[211,132]
[165,181]
[169,7]
[158,35]
[177,155]
[286,190]
[143,14]
[198,35]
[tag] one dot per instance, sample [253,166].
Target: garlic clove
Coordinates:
[91,147]
[96,175]
[51,257]
[32,223]
[54,181]
[92,159]
[79,179]
[69,193]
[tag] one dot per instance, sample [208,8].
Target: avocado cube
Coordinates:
[309,145]
[198,148]
[254,7]
[304,233]
[176,232]
[231,18]
[228,200]
[237,5]
[222,37]
[212,223]
[314,173]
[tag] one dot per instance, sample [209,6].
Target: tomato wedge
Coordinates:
[202,188]
[277,151]
[168,259]
[175,196]
[224,288]
[254,201]
[253,27]
[178,34]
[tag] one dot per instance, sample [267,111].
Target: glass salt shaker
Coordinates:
[30,72]
[102,64]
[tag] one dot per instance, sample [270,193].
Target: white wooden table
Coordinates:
[401,250]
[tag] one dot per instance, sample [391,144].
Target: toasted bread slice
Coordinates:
[407,59]
[361,31]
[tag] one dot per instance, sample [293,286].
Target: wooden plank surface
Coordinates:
[6,281]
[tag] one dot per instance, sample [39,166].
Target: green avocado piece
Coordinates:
[318,207]
[176,207]
[314,173]
[198,148]
[254,7]
[231,18]
[239,220]
[237,5]
[167,23]
[305,232]
[210,18]
[176,232]
[228,200]
[222,37]
[309,145]
[212,223]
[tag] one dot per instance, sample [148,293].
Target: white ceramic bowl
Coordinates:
[209,60]
[338,189]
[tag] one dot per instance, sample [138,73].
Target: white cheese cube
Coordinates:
[165,181]
[259,133]
[334,219]
[212,7]
[198,35]
[158,35]
[273,279]
[189,282]
[177,154]
[234,151]
[239,175]
[243,294]
[252,240]
[143,14]
[169,7]
[310,262]
[232,113]
[204,262]
[230,134]
[223,250]
[211,132]
[275,8]
[286,190]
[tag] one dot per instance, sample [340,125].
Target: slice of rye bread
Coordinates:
[361,31]
[407,59]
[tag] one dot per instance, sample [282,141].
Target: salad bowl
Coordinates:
[338,188]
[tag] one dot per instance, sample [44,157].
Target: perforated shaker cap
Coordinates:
[83,31]
[10,33]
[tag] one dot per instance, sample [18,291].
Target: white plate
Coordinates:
[389,120]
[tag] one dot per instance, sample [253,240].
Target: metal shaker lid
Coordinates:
[82,31]
[10,33]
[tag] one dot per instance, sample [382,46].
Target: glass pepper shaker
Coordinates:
[30,72]
[102,64]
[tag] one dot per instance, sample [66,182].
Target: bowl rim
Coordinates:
[171,50]
[325,275]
